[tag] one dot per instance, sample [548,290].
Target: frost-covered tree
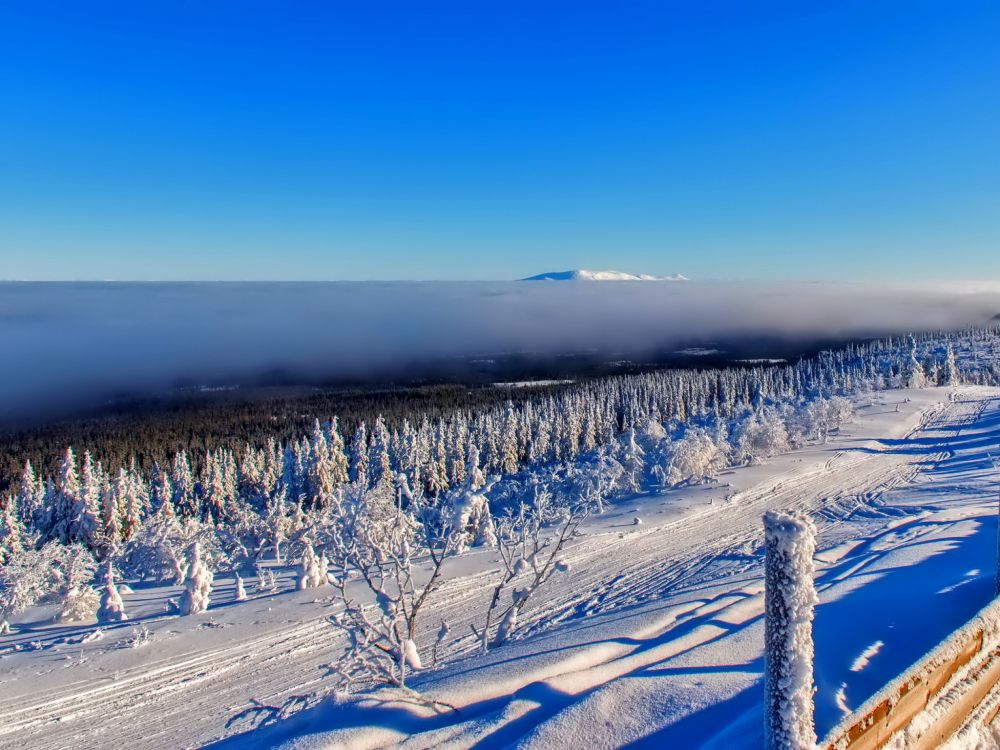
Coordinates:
[760,436]
[312,569]
[182,480]
[46,574]
[30,496]
[951,376]
[379,468]
[471,519]
[695,457]
[914,375]
[377,537]
[633,462]
[530,556]
[69,516]
[79,604]
[112,497]
[13,538]
[112,607]
[359,456]
[277,520]
[198,585]
[241,592]
[508,442]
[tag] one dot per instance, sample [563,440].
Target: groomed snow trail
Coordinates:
[675,602]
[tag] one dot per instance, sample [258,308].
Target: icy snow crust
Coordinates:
[653,639]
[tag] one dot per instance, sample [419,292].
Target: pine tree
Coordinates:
[185,501]
[359,456]
[12,536]
[508,443]
[338,457]
[379,468]
[951,376]
[111,505]
[70,517]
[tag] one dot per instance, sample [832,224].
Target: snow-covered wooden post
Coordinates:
[996,585]
[789,599]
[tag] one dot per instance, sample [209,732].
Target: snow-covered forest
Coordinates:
[68,534]
[376,522]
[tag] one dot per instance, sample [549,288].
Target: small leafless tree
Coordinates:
[391,542]
[530,544]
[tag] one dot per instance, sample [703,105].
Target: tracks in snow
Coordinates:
[186,702]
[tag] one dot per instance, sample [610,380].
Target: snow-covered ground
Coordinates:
[653,639]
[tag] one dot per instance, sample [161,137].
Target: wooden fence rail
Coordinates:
[972,653]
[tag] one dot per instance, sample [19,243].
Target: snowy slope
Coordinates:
[585,275]
[653,639]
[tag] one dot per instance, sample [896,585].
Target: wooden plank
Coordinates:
[877,727]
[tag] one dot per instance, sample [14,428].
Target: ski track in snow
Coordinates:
[705,563]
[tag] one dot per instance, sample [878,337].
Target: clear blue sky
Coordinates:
[477,139]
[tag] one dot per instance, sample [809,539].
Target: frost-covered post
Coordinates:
[996,465]
[789,599]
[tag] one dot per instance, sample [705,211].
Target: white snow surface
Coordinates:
[654,639]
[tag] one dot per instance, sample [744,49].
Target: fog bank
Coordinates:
[73,342]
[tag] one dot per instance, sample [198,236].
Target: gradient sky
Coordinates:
[484,140]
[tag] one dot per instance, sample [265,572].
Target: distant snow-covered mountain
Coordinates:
[584,275]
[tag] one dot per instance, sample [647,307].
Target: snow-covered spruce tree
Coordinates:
[951,376]
[67,515]
[29,498]
[312,569]
[77,598]
[112,496]
[789,600]
[13,538]
[277,520]
[379,469]
[471,519]
[112,608]
[377,535]
[185,501]
[198,585]
[632,460]
[914,375]
[359,456]
[530,556]
[241,592]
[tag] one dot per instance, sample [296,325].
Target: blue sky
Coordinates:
[486,140]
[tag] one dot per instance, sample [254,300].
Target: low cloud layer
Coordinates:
[67,344]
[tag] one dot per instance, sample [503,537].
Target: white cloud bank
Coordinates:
[79,341]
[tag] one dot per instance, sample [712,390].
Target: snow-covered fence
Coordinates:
[953,689]
[789,600]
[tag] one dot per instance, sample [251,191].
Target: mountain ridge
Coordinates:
[582,274]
